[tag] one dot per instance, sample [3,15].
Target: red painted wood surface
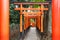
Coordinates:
[31,2]
[55,19]
[4,28]
[4,20]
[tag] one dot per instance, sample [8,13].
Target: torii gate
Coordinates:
[28,15]
[4,20]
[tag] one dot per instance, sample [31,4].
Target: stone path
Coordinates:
[32,34]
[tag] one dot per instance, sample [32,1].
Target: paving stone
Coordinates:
[32,35]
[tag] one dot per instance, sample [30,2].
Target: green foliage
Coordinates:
[14,15]
[32,20]
[37,0]
[36,6]
[22,0]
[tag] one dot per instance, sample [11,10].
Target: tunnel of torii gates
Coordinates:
[27,15]
[4,19]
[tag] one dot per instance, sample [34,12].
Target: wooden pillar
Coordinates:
[24,24]
[25,27]
[42,17]
[4,20]
[21,18]
[55,19]
[27,21]
[39,22]
[36,22]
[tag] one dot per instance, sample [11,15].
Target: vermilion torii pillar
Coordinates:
[4,20]
[55,19]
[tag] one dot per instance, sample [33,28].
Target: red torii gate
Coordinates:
[36,15]
[4,20]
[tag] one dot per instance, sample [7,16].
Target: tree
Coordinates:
[36,6]
[37,0]
[14,15]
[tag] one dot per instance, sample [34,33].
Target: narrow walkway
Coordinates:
[32,34]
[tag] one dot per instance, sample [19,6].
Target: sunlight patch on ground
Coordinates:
[32,27]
